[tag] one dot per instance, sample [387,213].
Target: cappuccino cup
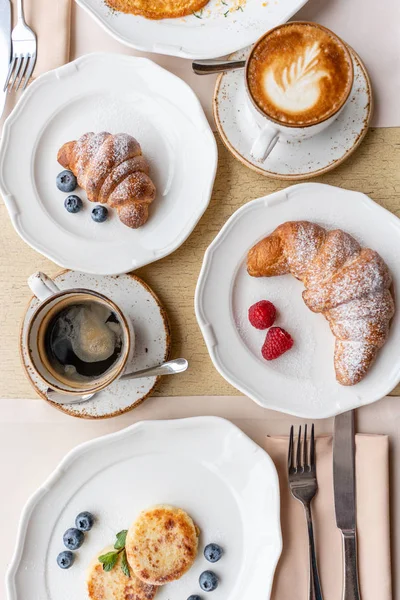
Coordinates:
[77,341]
[298,79]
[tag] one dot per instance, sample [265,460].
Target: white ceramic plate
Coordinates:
[302,381]
[205,465]
[118,94]
[221,28]
[299,159]
[152,342]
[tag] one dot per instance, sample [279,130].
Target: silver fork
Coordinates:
[303,485]
[24,47]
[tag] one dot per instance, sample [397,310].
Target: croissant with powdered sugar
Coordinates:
[348,284]
[112,170]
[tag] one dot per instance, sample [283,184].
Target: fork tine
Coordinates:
[22,71]
[16,71]
[312,448]
[299,449]
[10,70]
[31,66]
[290,451]
[305,449]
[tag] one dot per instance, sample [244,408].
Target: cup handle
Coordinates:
[42,286]
[264,143]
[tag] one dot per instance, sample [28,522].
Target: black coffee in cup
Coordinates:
[83,340]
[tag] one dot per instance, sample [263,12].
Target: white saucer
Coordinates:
[301,382]
[152,342]
[119,94]
[292,161]
[206,465]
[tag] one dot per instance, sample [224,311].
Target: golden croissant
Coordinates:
[112,170]
[348,284]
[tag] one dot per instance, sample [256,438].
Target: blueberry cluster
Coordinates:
[73,539]
[66,182]
[208,580]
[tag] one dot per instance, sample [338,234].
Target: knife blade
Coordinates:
[5,47]
[344,485]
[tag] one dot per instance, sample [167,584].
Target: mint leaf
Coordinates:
[124,564]
[121,539]
[108,560]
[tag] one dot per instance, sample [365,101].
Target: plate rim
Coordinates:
[14,208]
[202,322]
[303,176]
[79,451]
[166,50]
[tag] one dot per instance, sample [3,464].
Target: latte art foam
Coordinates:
[299,74]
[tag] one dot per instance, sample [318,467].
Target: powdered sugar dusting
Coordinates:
[338,248]
[364,274]
[302,247]
[98,154]
[352,360]
[370,305]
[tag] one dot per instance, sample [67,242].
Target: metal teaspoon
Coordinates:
[178,365]
[208,67]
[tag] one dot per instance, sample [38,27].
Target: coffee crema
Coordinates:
[299,74]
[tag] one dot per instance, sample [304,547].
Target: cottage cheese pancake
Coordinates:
[114,584]
[157,9]
[161,545]
[300,74]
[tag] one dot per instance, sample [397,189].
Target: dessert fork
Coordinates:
[23,59]
[303,486]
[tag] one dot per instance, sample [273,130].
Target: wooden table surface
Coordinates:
[373,169]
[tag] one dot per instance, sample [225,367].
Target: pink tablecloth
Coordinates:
[373,30]
[31,429]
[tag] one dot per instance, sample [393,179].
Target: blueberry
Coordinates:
[65,559]
[213,552]
[208,581]
[66,181]
[195,597]
[73,538]
[84,521]
[73,204]
[99,214]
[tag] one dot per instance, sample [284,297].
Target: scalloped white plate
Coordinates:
[117,93]
[205,465]
[302,381]
[212,33]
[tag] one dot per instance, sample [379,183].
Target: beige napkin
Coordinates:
[50,20]
[372,475]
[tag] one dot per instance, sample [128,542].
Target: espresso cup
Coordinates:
[298,80]
[53,302]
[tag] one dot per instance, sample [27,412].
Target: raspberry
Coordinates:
[262,314]
[277,342]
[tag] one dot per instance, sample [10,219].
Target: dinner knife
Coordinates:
[344,485]
[5,47]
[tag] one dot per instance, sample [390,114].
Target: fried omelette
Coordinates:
[161,545]
[114,585]
[158,9]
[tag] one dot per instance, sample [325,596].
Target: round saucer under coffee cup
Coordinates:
[298,79]
[102,337]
